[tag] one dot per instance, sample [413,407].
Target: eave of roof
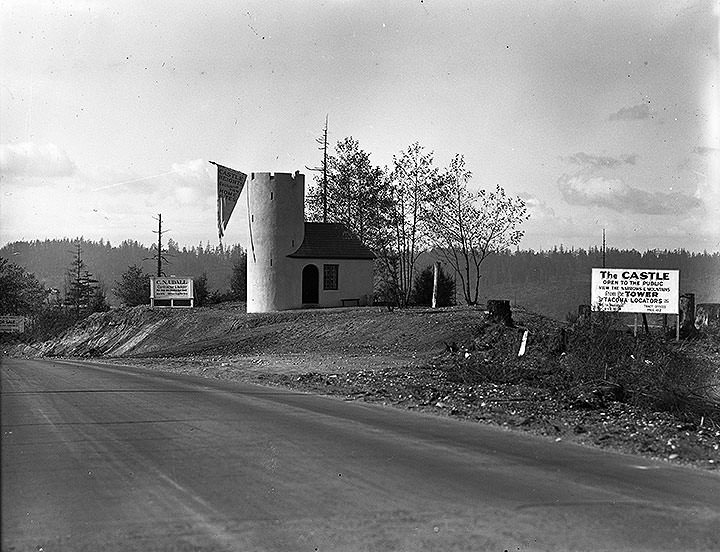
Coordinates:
[331,241]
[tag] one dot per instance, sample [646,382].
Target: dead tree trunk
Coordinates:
[687,315]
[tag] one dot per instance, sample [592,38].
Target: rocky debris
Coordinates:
[594,420]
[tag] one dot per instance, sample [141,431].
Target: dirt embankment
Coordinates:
[326,336]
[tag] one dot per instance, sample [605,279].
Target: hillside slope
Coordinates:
[230,331]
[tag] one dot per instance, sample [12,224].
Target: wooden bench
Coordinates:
[350,302]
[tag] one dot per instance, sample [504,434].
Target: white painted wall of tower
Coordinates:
[277,219]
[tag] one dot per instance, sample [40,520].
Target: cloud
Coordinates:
[617,195]
[599,161]
[537,207]
[193,172]
[29,159]
[633,113]
[192,181]
[189,174]
[705,151]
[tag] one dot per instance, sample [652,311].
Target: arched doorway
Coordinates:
[310,285]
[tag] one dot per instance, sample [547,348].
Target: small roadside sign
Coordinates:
[171,291]
[12,324]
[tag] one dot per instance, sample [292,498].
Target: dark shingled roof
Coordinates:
[331,241]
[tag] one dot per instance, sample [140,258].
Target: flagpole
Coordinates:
[249,217]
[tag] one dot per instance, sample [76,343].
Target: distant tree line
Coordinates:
[697,270]
[556,281]
[48,310]
[552,282]
[67,293]
[48,261]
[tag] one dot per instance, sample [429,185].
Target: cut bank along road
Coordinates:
[112,458]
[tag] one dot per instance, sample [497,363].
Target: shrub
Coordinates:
[133,288]
[200,289]
[592,362]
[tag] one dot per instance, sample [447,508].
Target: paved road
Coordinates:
[103,458]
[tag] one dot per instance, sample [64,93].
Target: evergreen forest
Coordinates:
[551,282]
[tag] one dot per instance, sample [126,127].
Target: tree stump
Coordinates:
[687,315]
[499,312]
[707,314]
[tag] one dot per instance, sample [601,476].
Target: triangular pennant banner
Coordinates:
[229,185]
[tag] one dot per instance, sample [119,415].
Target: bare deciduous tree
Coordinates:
[469,226]
[412,181]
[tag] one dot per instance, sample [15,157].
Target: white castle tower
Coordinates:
[294,264]
[277,219]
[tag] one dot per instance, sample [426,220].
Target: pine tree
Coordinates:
[134,287]
[81,286]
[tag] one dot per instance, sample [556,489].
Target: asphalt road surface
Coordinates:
[106,458]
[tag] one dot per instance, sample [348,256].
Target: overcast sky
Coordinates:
[599,114]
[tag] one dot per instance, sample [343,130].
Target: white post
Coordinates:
[436,269]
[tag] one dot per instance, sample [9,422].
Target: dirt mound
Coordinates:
[230,331]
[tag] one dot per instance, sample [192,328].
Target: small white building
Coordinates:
[295,264]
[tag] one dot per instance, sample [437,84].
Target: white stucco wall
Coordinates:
[277,227]
[355,280]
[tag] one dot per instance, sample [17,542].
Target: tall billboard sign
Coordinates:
[651,291]
[171,292]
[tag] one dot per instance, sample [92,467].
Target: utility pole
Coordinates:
[603,249]
[325,133]
[160,245]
